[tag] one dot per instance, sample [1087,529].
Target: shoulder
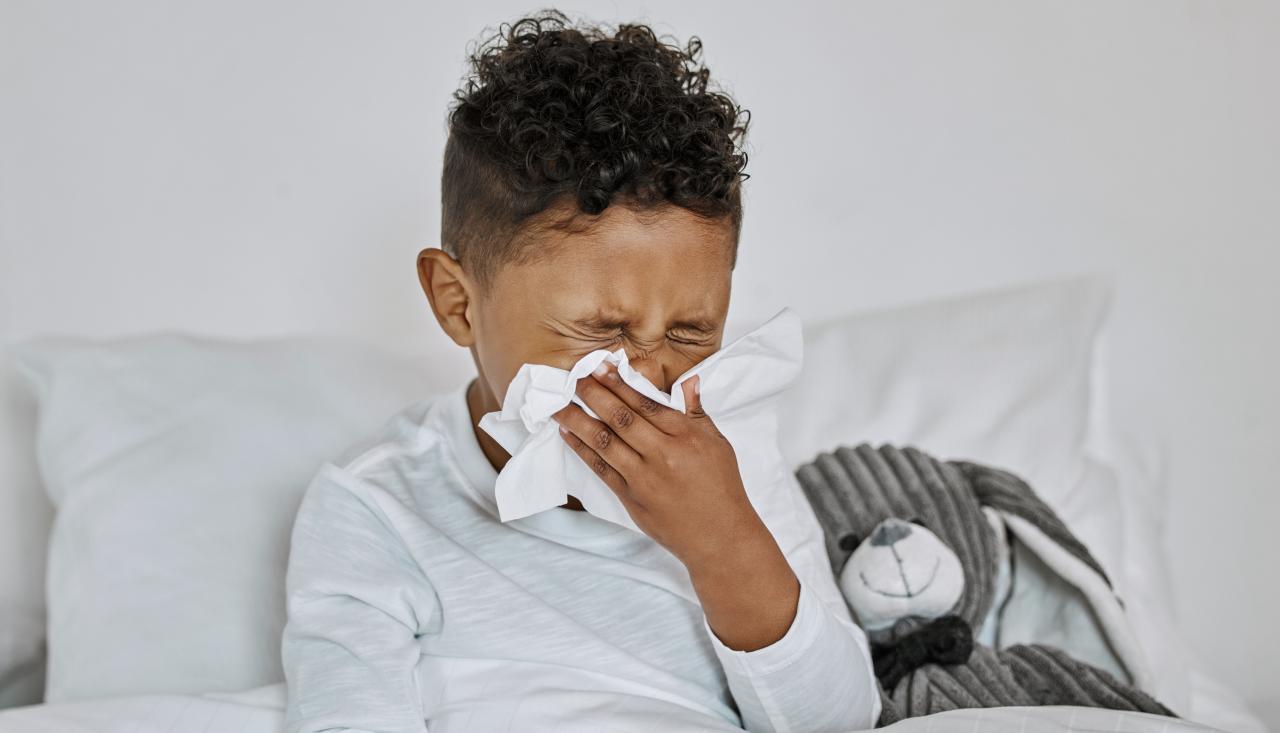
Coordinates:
[408,454]
[415,429]
[355,515]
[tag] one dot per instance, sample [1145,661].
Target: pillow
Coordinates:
[176,466]
[22,659]
[25,516]
[1004,377]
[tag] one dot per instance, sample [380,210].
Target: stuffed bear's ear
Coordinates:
[849,542]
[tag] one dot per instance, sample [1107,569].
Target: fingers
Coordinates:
[597,444]
[693,406]
[660,416]
[693,396]
[623,409]
[595,462]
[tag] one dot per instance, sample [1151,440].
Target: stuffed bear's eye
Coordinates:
[850,542]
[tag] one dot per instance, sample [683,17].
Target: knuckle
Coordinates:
[648,407]
[622,417]
[599,465]
[670,463]
[603,437]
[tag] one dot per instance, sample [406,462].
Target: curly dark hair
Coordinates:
[553,114]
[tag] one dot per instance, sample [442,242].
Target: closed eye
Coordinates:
[602,338]
[593,331]
[693,333]
[689,340]
[596,333]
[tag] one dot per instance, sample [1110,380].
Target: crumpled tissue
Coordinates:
[738,386]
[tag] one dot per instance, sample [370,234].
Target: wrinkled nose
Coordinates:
[889,532]
[652,370]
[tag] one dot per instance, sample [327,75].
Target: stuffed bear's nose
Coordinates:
[889,532]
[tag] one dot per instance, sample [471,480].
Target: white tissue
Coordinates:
[737,387]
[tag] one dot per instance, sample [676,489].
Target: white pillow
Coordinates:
[25,516]
[176,466]
[1004,377]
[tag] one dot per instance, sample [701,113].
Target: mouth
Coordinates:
[933,574]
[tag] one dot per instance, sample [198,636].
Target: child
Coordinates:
[591,200]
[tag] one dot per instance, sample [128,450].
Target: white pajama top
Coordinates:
[412,608]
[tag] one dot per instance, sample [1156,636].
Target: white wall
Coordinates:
[245,168]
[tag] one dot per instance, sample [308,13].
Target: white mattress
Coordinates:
[261,710]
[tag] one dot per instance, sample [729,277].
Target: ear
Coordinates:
[849,541]
[450,292]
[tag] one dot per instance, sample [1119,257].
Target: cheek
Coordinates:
[683,358]
[498,364]
[497,351]
[506,345]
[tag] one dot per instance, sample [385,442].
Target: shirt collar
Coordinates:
[483,478]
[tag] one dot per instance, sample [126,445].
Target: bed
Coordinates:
[261,711]
[174,464]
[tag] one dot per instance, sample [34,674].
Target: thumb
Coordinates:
[693,397]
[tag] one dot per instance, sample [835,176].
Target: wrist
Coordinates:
[739,542]
[749,593]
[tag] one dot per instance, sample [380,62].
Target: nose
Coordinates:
[889,532]
[652,369]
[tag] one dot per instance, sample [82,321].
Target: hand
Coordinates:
[676,473]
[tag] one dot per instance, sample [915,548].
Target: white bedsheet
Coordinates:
[261,710]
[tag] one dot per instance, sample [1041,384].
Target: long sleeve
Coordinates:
[356,602]
[817,678]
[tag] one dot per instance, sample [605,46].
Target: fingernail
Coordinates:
[600,370]
[563,429]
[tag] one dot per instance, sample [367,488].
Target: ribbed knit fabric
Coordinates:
[1032,674]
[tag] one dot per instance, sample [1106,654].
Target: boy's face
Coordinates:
[655,283]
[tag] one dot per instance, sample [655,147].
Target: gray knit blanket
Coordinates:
[853,489]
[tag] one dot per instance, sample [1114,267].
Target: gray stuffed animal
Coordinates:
[932,554]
